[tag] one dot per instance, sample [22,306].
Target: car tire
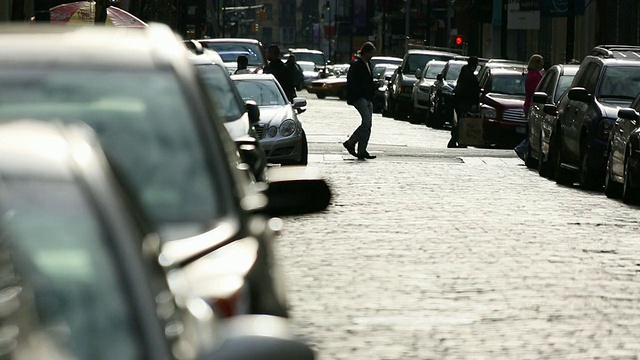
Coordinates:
[630,193]
[586,177]
[321,96]
[398,113]
[563,176]
[416,117]
[529,161]
[304,156]
[545,168]
[612,189]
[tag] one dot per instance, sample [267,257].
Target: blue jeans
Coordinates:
[362,134]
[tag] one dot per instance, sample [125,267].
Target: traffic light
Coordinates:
[458,40]
[256,28]
[262,15]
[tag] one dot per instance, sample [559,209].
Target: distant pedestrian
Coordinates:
[360,91]
[534,75]
[298,75]
[243,62]
[466,96]
[281,72]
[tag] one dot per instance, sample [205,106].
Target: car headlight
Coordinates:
[488,112]
[272,132]
[287,128]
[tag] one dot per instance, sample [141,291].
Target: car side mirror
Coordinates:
[579,94]
[628,114]
[550,109]
[253,111]
[439,77]
[418,74]
[539,97]
[256,337]
[295,190]
[299,103]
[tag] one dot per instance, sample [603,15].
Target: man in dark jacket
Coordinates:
[281,72]
[360,93]
[466,95]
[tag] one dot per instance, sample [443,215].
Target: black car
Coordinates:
[606,81]
[79,271]
[623,160]
[442,102]
[140,93]
[554,83]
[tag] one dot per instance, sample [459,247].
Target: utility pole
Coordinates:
[571,29]
[503,29]
[407,25]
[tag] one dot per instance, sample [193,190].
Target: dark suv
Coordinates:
[608,78]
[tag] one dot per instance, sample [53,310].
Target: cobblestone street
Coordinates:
[435,253]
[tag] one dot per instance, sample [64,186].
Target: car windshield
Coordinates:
[563,84]
[389,62]
[620,82]
[230,51]
[432,70]
[307,65]
[508,84]
[317,59]
[263,92]
[150,136]
[454,71]
[419,61]
[60,252]
[222,91]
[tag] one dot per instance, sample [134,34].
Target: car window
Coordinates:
[229,51]
[263,92]
[508,84]
[563,84]
[417,61]
[150,136]
[307,65]
[317,59]
[432,71]
[453,71]
[547,82]
[620,82]
[60,251]
[222,91]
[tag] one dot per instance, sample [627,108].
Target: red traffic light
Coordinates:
[458,40]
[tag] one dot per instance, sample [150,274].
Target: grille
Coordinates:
[514,115]
[260,131]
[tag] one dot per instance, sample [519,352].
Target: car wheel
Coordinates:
[304,152]
[630,193]
[544,166]
[321,96]
[586,176]
[612,189]
[415,117]
[563,176]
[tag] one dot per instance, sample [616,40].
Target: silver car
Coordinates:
[281,134]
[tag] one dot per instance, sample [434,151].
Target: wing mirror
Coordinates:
[539,97]
[295,190]
[439,77]
[299,103]
[550,109]
[418,74]
[628,114]
[579,94]
[253,111]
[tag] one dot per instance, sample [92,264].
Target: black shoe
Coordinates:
[367,156]
[350,148]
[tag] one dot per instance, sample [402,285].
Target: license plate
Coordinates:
[521,130]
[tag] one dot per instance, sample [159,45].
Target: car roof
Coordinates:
[457,61]
[430,52]
[629,52]
[231,40]
[253,77]
[502,72]
[90,45]
[612,61]
[568,69]
[299,50]
[206,57]
[386,58]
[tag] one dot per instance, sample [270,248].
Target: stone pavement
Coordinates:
[435,253]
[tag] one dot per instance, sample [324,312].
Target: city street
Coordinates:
[431,253]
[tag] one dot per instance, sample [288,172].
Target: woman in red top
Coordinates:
[534,75]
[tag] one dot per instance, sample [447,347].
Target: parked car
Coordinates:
[605,81]
[137,89]
[230,48]
[501,101]
[377,60]
[623,160]
[414,59]
[422,90]
[441,105]
[310,73]
[381,75]
[486,66]
[331,86]
[79,275]
[303,54]
[239,117]
[279,130]
[554,83]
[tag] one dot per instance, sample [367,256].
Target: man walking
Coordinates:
[360,93]
[281,72]
[466,96]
